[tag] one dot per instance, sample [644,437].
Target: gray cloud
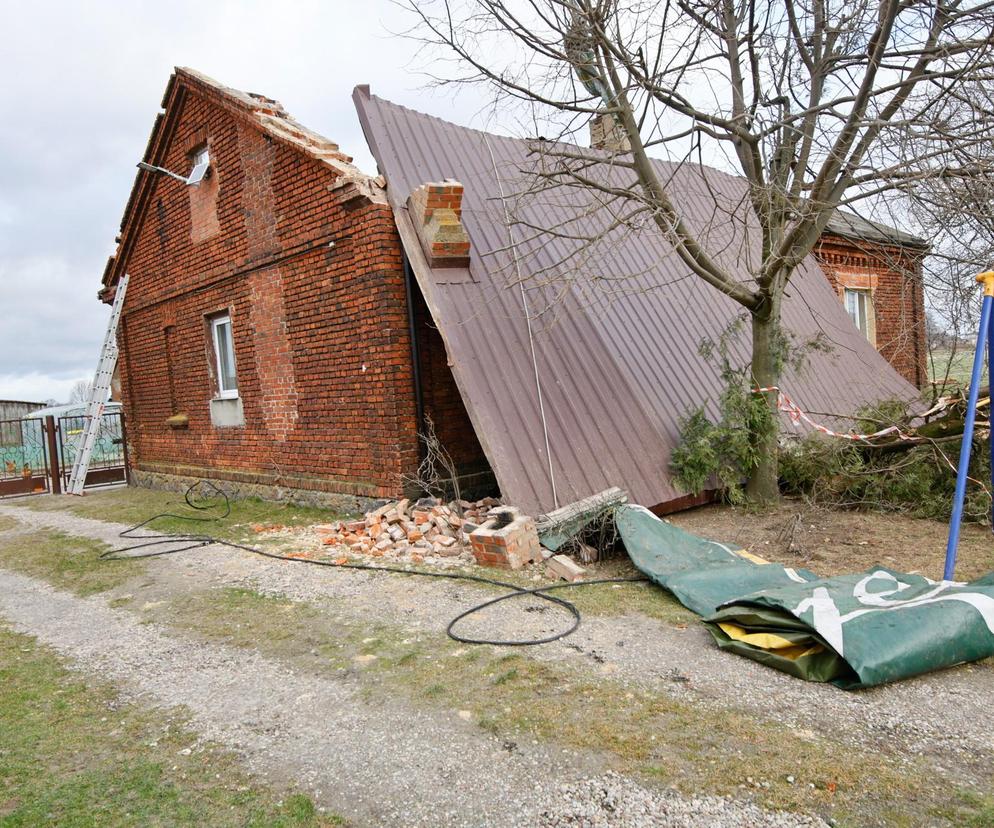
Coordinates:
[82,86]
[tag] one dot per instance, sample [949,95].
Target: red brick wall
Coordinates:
[894,278]
[320,333]
[442,400]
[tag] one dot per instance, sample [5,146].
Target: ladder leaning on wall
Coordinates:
[99,392]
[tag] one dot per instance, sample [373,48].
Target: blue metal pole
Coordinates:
[990,406]
[971,415]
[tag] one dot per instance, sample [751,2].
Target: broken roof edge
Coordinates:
[263,113]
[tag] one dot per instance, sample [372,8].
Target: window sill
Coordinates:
[227,412]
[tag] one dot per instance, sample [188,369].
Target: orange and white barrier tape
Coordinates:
[796,416]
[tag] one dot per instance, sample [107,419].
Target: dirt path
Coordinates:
[937,715]
[946,714]
[376,765]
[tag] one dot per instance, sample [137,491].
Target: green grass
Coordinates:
[7,523]
[956,366]
[131,505]
[72,756]
[514,697]
[66,561]
[691,746]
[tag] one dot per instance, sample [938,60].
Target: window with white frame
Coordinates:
[224,356]
[859,306]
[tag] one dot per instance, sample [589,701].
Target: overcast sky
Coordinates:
[82,83]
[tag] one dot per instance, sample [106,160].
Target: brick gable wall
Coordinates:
[893,276]
[322,350]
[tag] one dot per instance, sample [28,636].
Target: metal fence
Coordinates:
[108,461]
[37,455]
[24,467]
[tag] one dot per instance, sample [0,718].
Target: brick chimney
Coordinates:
[436,211]
[606,134]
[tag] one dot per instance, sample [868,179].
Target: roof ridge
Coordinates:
[364,90]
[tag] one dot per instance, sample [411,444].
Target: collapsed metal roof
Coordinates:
[615,331]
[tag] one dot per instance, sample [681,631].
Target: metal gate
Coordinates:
[36,455]
[108,463]
[24,453]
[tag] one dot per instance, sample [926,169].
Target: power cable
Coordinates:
[198,501]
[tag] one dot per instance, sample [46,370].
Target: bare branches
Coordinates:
[436,473]
[813,103]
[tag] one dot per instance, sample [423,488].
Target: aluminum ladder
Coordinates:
[98,395]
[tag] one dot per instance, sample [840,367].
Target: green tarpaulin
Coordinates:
[851,630]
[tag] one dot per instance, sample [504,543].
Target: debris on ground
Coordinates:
[485,532]
[507,539]
[559,527]
[561,566]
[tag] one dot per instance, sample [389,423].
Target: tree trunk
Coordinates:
[763,486]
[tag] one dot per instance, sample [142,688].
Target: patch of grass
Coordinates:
[691,746]
[513,696]
[944,363]
[71,755]
[131,505]
[602,599]
[65,561]
[7,523]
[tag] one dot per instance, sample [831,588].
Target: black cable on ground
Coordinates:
[205,496]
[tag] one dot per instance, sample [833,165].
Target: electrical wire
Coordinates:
[204,496]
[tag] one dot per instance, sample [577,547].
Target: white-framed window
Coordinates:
[201,163]
[224,356]
[859,306]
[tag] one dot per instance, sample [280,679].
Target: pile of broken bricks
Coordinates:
[484,532]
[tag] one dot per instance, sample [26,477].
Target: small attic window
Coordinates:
[201,164]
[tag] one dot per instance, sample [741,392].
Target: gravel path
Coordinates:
[375,765]
[938,715]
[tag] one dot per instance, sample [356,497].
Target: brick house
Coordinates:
[877,272]
[274,336]
[266,338]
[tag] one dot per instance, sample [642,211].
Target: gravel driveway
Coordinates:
[939,715]
[376,765]
[422,768]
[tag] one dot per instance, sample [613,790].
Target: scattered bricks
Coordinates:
[446,541]
[415,535]
[416,558]
[383,545]
[421,517]
[396,533]
[321,528]
[565,568]
[356,526]
[402,507]
[376,514]
[513,545]
[393,516]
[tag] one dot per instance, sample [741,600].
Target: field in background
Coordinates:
[955,366]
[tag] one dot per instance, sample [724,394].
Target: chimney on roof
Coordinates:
[436,212]
[606,134]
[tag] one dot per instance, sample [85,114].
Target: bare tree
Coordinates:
[80,392]
[817,104]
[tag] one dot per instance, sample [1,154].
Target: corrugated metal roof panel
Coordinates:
[616,335]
